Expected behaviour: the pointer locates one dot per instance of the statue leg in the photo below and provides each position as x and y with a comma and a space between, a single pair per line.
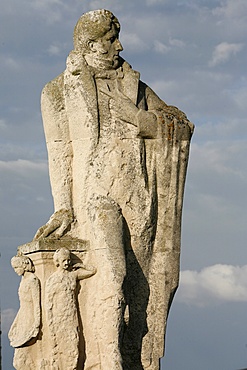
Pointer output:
103, 322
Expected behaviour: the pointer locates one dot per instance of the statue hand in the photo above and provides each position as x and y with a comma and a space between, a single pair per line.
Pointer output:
92, 269
57, 225
35, 331
121, 106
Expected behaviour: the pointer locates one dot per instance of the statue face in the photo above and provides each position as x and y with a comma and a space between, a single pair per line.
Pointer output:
19, 270
64, 262
107, 48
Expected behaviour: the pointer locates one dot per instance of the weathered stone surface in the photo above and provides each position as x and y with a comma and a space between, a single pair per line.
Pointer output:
61, 309
117, 159
52, 244
26, 326
39, 354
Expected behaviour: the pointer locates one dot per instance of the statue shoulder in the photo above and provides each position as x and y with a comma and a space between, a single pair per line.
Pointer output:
54, 87
127, 68
52, 96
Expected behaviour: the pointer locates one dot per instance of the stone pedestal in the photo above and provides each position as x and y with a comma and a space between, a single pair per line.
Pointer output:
41, 253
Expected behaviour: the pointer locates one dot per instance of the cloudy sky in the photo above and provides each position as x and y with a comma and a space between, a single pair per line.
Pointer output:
193, 54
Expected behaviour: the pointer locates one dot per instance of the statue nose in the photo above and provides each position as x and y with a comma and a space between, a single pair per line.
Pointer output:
119, 46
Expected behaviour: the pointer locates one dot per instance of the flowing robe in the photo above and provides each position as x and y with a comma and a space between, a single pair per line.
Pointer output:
62, 316
26, 326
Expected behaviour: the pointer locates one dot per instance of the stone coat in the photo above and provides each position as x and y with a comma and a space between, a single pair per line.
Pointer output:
124, 183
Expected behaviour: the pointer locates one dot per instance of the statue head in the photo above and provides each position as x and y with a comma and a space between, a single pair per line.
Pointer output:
96, 36
22, 264
61, 258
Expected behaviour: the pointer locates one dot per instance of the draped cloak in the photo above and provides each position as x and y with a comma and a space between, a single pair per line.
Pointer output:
125, 184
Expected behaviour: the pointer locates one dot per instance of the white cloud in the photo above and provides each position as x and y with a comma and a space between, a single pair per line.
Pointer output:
232, 9
161, 48
54, 49
9, 63
108, 4
52, 10
41, 199
46, 5
219, 157
57, 49
176, 42
213, 285
223, 52
154, 2
132, 42
7, 317
3, 124
22, 166
231, 129
191, 90
240, 97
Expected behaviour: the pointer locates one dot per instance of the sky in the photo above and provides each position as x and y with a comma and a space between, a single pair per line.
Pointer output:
193, 54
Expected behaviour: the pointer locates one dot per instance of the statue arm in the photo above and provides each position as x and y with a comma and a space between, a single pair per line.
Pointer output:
149, 114
167, 113
59, 156
83, 272
154, 117
123, 108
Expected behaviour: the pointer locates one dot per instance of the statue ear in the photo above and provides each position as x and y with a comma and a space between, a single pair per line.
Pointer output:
96, 46
91, 46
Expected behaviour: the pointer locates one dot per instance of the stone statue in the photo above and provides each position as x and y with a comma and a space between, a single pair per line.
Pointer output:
118, 156
62, 311
26, 326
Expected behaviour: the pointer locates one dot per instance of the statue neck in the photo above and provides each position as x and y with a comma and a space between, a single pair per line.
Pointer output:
99, 63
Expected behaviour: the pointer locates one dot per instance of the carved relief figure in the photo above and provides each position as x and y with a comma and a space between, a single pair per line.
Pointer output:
117, 159
62, 309
26, 326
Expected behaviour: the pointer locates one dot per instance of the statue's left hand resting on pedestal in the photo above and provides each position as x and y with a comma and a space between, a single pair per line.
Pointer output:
57, 225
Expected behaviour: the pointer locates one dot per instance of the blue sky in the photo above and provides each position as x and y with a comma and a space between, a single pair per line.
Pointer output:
193, 54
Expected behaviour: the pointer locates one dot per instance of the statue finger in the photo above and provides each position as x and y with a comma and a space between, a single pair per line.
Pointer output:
61, 229
39, 233
49, 229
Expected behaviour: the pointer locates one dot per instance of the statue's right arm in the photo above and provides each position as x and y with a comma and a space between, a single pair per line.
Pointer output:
60, 154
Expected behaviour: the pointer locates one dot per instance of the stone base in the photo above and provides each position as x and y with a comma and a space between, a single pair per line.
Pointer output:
41, 252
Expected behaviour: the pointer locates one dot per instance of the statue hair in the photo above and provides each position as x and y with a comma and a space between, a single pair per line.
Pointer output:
23, 261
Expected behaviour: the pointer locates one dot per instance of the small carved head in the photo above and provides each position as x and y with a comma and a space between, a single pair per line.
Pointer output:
61, 258
22, 264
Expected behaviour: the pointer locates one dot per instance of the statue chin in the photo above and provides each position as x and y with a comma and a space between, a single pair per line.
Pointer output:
116, 62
